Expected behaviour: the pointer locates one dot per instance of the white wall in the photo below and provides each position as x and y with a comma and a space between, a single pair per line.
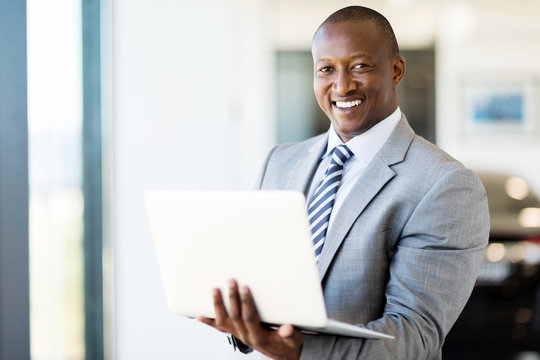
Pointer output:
494, 40
192, 109
295, 21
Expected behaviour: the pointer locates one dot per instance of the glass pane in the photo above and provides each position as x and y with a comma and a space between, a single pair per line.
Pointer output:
55, 162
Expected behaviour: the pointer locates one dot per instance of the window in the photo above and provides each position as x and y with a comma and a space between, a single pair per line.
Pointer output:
65, 180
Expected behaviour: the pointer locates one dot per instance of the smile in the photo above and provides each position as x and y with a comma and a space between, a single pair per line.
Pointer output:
348, 104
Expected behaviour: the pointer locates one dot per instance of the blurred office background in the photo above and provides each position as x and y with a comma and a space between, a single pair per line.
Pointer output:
102, 100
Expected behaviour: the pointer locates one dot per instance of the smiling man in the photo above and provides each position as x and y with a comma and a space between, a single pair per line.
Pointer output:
357, 69
399, 227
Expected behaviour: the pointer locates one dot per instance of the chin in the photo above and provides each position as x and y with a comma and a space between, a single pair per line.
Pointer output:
348, 130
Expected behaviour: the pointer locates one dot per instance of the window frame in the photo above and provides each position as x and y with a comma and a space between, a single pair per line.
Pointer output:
92, 180
14, 192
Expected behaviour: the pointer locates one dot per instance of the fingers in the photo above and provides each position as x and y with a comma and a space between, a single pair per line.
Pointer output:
258, 335
236, 310
219, 307
242, 320
205, 320
249, 310
234, 301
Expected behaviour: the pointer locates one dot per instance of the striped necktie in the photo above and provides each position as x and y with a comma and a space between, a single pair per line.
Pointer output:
322, 201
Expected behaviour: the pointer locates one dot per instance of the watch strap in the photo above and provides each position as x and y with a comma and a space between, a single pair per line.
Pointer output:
238, 345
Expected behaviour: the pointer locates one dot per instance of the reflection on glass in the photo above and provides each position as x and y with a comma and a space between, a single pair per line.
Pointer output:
56, 201
516, 188
529, 217
495, 252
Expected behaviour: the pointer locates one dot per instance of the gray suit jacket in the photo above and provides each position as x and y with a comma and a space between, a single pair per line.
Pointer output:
405, 248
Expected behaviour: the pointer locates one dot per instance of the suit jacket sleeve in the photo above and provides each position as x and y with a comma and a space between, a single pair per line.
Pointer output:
431, 275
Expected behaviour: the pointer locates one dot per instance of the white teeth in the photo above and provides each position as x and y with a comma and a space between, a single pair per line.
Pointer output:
348, 104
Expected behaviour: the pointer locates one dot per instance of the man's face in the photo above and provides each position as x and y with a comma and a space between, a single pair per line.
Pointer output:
355, 76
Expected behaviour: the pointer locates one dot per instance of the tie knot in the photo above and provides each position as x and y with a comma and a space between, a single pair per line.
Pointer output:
341, 154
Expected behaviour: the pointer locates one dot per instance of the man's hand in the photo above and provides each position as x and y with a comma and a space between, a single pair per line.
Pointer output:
244, 322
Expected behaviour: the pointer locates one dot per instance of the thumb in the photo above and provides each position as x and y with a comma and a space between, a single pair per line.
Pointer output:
291, 337
286, 331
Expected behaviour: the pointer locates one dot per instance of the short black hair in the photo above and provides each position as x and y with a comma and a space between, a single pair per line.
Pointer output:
361, 13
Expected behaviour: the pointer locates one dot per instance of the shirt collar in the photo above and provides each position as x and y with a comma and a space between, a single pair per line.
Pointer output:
367, 144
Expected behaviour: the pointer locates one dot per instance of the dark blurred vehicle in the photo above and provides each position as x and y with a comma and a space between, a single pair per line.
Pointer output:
502, 318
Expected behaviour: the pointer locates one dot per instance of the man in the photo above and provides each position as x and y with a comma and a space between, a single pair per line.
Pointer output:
401, 247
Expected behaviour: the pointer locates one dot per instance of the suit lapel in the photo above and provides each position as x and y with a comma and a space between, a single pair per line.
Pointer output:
375, 176
306, 165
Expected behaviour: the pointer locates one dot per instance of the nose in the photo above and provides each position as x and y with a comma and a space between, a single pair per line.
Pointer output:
344, 83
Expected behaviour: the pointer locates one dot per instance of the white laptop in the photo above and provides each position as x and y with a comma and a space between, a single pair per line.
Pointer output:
260, 238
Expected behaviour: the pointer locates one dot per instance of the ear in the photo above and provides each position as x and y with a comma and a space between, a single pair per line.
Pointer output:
399, 69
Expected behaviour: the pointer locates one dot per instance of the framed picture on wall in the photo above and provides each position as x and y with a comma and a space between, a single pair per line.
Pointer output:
495, 106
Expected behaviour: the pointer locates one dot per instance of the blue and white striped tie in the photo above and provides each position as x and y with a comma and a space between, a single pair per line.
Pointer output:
322, 201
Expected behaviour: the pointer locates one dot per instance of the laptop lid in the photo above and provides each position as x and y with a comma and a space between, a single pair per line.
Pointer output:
259, 238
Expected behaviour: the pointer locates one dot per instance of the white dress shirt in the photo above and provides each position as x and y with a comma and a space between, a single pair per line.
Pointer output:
364, 147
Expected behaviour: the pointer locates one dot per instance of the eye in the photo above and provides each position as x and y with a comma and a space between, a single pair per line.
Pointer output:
359, 66
325, 69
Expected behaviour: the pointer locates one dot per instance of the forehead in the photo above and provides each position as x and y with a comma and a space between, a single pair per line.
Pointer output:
347, 39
